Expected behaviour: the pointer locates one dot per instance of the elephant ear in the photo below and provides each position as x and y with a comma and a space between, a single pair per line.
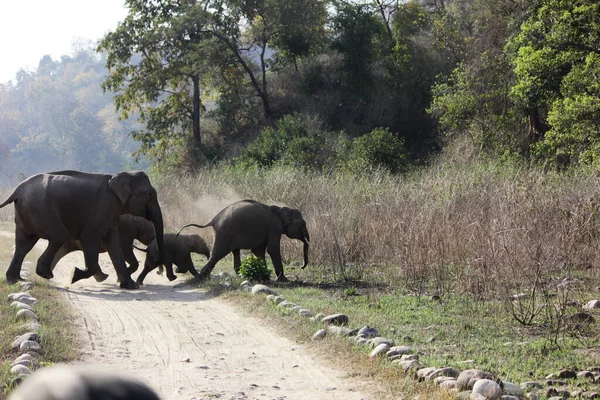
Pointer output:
190, 242
284, 214
120, 184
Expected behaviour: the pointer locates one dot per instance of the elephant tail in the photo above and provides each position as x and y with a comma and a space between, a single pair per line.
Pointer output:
11, 199
196, 225
140, 249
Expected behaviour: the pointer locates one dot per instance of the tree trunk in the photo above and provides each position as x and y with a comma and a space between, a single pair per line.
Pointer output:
196, 112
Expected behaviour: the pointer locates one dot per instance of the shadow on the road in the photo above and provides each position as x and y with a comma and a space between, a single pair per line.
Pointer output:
181, 292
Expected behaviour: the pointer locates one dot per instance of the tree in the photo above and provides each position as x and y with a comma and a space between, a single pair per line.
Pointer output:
555, 57
249, 28
157, 58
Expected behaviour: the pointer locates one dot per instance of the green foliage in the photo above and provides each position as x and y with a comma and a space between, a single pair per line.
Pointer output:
355, 30
378, 149
255, 269
297, 140
555, 59
575, 118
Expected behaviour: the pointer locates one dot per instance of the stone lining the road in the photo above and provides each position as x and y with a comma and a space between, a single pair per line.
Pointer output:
472, 384
28, 344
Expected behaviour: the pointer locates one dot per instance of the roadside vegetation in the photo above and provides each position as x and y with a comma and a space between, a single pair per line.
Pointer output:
511, 251
57, 336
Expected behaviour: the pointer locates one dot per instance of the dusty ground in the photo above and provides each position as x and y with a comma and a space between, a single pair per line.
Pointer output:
189, 345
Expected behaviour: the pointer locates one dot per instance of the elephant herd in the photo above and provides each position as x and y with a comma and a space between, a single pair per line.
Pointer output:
97, 213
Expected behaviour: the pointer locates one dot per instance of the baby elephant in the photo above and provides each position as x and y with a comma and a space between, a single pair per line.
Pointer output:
83, 382
178, 251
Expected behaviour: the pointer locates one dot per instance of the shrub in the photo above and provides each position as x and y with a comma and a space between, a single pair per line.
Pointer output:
379, 148
297, 140
255, 269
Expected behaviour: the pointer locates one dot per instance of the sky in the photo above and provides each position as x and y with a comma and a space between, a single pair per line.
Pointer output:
33, 28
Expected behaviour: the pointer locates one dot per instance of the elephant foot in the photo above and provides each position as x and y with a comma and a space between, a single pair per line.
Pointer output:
129, 284
100, 276
282, 278
171, 278
44, 273
78, 274
12, 279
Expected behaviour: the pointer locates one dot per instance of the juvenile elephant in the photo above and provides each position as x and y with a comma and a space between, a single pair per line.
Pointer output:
248, 224
66, 206
178, 251
130, 228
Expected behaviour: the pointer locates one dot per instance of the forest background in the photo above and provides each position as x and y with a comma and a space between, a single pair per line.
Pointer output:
323, 85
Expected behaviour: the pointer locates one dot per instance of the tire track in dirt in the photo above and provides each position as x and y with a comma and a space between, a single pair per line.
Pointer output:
189, 345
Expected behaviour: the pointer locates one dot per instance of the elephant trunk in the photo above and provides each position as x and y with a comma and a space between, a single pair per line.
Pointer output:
305, 248
156, 217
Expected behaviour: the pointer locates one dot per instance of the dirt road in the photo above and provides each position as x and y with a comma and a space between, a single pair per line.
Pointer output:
189, 345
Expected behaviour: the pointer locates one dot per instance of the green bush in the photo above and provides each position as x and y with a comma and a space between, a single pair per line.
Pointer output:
298, 140
379, 148
255, 269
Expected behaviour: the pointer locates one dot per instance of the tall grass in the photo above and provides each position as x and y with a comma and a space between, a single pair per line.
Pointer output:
468, 227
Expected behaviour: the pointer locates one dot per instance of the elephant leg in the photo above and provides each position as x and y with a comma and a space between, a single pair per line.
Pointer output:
66, 248
149, 265
219, 251
131, 259
115, 252
169, 267
188, 265
237, 260
275, 253
259, 251
91, 250
46, 260
23, 245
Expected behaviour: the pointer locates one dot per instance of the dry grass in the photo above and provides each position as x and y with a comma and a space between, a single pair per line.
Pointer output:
456, 227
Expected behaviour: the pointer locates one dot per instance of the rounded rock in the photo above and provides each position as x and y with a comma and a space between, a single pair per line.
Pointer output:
335, 319
510, 389
28, 300
487, 388
31, 326
27, 314
17, 296
367, 332
32, 336
448, 384
304, 313
592, 304
399, 350
447, 371
468, 377
320, 334
262, 289
29, 345
25, 363
20, 370
381, 349
20, 306
286, 304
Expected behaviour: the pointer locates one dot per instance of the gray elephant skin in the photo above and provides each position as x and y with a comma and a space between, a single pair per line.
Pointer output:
81, 382
248, 224
130, 228
65, 206
178, 249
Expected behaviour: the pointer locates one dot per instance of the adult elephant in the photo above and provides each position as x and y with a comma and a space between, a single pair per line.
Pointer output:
130, 228
248, 224
71, 205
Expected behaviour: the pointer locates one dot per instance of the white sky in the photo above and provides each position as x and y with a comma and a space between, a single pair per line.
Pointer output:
30, 29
